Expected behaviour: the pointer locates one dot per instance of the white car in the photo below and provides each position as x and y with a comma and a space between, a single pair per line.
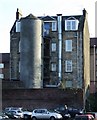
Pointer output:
27, 115
14, 114
45, 114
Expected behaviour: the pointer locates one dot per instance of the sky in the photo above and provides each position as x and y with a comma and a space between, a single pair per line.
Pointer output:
39, 8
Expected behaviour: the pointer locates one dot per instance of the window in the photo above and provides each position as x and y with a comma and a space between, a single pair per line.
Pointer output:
68, 65
18, 26
19, 66
68, 45
1, 75
68, 84
53, 47
46, 28
53, 67
19, 46
96, 62
54, 26
71, 24
96, 50
1, 65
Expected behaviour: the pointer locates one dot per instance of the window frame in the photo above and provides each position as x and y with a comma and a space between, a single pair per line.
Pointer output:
53, 47
68, 45
1, 65
69, 83
53, 67
54, 26
1, 76
68, 66
71, 26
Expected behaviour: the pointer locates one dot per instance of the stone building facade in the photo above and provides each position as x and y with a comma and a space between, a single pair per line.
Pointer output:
4, 66
65, 52
67, 59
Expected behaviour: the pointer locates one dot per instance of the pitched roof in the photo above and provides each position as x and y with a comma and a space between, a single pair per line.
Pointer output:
47, 18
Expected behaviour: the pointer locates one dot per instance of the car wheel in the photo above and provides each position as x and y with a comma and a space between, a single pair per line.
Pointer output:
52, 118
34, 118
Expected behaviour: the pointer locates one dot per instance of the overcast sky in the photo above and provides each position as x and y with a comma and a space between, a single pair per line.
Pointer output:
41, 7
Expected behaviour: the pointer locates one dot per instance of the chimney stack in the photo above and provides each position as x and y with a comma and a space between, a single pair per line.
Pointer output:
18, 14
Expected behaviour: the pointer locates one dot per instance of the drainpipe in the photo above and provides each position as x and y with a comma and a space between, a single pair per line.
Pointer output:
59, 20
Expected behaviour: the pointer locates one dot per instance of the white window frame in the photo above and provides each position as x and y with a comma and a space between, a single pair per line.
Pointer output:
68, 66
53, 47
20, 46
18, 26
1, 75
70, 26
68, 83
54, 26
53, 67
1, 65
68, 45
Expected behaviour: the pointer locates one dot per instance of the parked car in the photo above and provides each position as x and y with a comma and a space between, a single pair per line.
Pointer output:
84, 117
63, 111
27, 115
3, 116
93, 113
74, 111
14, 114
68, 112
45, 114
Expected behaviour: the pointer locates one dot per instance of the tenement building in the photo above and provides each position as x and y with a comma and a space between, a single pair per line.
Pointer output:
93, 65
50, 51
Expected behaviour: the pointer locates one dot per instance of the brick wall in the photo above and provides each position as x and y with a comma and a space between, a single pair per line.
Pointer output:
41, 98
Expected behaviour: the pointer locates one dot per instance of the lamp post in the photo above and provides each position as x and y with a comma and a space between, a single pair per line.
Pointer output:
94, 68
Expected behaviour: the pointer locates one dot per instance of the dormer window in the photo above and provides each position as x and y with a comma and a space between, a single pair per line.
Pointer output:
71, 24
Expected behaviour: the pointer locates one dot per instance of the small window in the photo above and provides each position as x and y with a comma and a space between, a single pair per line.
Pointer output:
19, 46
71, 24
54, 26
53, 47
18, 26
68, 65
53, 66
2, 76
68, 45
1, 65
68, 84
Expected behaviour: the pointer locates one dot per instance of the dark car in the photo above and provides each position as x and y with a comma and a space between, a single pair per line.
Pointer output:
63, 111
73, 112
67, 112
